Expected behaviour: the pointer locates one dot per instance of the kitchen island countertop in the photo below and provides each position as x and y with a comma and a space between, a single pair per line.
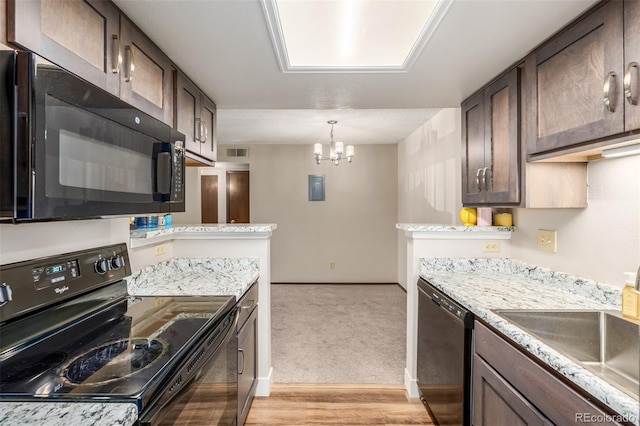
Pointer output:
195, 277
482, 285
143, 237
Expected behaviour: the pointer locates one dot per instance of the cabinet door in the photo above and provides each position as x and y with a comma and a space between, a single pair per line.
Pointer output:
632, 62
147, 74
246, 367
502, 144
496, 402
566, 78
81, 36
187, 113
473, 149
208, 116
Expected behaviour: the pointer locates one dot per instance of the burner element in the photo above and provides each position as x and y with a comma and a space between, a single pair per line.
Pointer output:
30, 367
113, 361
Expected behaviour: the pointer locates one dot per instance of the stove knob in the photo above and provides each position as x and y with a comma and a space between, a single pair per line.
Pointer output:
101, 266
117, 262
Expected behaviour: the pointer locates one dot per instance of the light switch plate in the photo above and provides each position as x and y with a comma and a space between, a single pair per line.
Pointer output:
547, 240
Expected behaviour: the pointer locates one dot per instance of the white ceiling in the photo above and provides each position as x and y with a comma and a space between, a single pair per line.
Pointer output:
224, 46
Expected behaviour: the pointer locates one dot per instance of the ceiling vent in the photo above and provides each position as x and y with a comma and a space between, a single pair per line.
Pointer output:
237, 152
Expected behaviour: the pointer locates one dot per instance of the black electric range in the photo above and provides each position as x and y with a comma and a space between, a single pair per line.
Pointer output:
70, 332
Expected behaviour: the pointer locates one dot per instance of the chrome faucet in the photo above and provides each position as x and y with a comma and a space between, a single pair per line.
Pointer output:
638, 279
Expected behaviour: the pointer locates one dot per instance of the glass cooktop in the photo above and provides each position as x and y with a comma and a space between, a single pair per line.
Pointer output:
122, 358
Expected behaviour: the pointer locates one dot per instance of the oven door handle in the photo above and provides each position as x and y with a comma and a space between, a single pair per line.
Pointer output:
166, 396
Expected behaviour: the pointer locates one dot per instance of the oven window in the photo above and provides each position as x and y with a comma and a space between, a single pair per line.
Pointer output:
91, 158
89, 163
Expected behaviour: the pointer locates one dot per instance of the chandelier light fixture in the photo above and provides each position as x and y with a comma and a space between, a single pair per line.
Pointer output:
336, 150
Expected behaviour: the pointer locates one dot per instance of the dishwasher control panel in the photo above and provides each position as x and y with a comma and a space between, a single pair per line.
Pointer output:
446, 303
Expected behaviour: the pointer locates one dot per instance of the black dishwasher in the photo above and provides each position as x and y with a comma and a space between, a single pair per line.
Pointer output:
445, 338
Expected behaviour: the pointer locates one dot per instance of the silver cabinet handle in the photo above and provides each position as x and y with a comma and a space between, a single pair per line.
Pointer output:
129, 64
116, 56
628, 92
249, 306
240, 351
203, 129
609, 92
233, 221
206, 131
198, 130
478, 180
6, 295
484, 178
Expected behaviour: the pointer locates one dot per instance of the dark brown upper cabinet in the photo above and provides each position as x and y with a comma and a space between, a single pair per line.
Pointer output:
195, 116
575, 82
76, 35
631, 79
491, 143
146, 78
94, 40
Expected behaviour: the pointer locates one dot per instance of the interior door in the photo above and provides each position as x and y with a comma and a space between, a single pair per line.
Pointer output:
209, 198
238, 196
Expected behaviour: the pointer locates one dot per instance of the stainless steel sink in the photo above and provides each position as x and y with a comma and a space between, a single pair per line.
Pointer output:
603, 342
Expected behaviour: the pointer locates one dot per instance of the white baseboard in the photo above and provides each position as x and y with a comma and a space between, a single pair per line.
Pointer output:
263, 387
411, 385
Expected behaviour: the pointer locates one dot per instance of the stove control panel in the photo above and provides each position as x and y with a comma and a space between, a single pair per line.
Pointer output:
55, 274
34, 284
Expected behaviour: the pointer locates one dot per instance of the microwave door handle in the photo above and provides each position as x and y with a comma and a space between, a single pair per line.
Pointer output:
163, 174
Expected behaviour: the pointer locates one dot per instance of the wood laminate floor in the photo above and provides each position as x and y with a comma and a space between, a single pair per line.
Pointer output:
327, 404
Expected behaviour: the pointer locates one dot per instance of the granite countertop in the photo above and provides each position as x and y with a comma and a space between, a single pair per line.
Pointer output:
485, 284
195, 277
67, 413
203, 229
417, 227
181, 276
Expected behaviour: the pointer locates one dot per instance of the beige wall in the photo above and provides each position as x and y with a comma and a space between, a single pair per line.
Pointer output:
599, 242
354, 227
429, 171
32, 240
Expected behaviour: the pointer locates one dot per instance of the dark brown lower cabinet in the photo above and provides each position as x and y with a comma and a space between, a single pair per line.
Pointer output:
509, 388
247, 346
496, 402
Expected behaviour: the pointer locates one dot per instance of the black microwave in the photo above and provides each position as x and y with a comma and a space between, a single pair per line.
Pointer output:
70, 150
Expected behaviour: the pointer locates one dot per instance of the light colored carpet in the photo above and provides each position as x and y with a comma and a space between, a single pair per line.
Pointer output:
338, 333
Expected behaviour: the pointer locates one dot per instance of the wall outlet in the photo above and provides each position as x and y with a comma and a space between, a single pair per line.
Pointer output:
547, 240
158, 250
491, 246
332, 264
